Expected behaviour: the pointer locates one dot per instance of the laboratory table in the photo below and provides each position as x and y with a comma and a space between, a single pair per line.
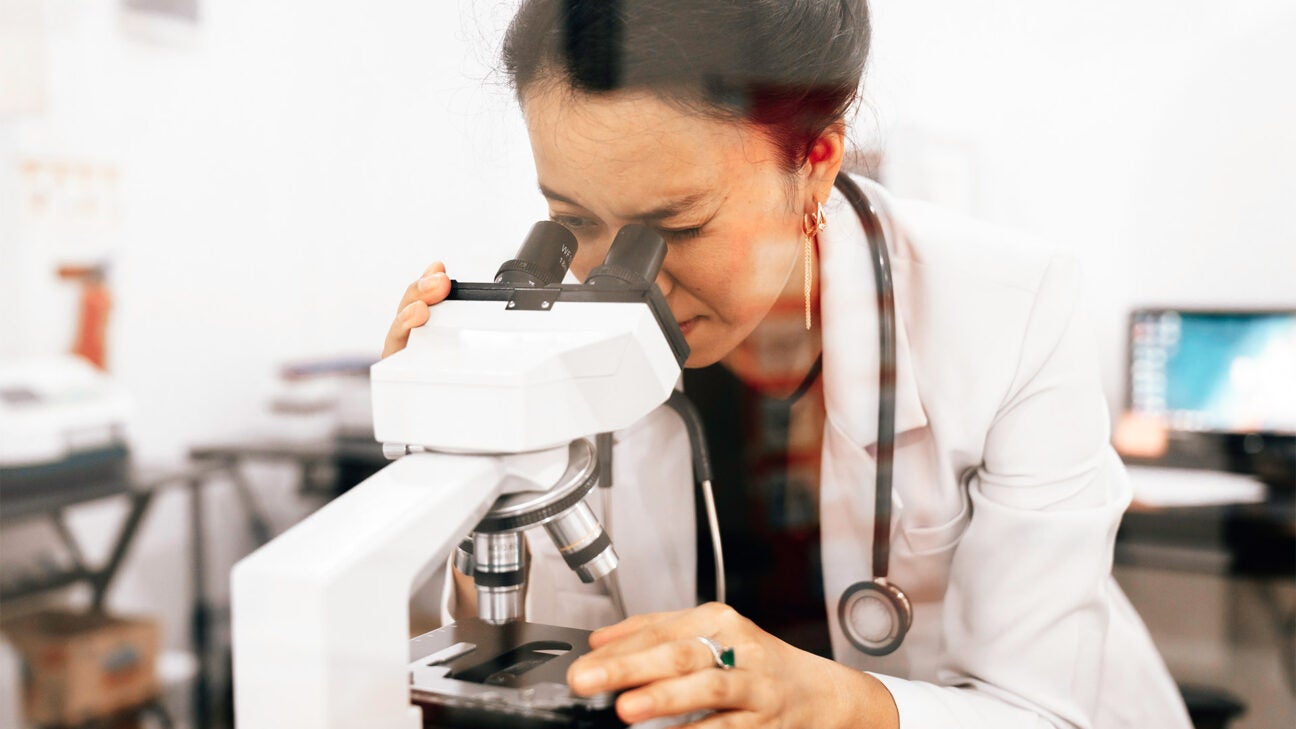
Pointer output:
327, 468
1254, 542
138, 485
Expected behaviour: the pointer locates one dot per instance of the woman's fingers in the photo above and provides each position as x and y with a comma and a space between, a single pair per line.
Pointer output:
431, 282
590, 676
712, 620
709, 689
629, 626
432, 287
727, 720
415, 314
666, 671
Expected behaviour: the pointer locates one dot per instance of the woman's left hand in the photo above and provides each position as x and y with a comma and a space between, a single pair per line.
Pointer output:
772, 684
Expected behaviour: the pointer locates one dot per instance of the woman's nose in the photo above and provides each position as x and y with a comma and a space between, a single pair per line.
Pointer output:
665, 282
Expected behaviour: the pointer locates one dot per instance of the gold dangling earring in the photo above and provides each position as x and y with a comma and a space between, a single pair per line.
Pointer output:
811, 225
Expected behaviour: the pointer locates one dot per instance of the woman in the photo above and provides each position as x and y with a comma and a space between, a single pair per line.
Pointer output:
721, 124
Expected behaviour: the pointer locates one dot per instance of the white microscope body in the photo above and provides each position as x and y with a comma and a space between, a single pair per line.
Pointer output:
485, 400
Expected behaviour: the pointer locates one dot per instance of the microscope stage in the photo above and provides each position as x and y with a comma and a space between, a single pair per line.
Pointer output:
474, 674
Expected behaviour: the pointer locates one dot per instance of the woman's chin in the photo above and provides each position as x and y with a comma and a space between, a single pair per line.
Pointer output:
704, 350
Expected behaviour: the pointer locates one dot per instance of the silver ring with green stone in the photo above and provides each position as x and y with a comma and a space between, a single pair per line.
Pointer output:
724, 657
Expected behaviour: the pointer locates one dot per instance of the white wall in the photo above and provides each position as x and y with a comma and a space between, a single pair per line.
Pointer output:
284, 177
285, 173
1155, 138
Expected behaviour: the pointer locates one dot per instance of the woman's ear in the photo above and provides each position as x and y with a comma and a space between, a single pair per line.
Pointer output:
822, 165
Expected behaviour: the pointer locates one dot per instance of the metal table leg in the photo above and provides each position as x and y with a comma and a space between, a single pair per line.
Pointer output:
199, 632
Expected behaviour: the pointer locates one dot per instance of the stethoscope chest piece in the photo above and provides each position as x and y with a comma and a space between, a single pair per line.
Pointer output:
874, 615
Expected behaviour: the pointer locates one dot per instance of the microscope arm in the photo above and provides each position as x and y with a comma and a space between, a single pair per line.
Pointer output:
321, 614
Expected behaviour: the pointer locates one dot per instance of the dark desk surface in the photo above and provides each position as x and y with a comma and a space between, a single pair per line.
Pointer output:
1243, 540
341, 448
328, 467
136, 484
139, 480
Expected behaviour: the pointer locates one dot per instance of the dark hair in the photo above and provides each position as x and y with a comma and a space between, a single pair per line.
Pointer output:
792, 67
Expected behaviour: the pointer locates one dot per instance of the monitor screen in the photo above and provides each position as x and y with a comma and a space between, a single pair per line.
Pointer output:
1215, 371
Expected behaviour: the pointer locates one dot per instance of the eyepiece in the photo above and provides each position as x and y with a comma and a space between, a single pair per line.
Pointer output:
543, 259
633, 261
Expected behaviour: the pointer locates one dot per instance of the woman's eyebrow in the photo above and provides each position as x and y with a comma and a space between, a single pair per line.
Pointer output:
671, 208
662, 212
665, 211
558, 196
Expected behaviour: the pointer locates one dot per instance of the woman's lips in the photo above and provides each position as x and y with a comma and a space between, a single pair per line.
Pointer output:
687, 325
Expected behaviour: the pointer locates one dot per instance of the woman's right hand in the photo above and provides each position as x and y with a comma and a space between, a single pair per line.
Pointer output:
431, 288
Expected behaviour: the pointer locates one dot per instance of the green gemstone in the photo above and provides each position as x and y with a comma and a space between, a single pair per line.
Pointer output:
727, 657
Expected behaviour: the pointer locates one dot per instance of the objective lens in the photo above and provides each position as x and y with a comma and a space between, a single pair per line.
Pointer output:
583, 543
633, 261
463, 556
499, 573
543, 259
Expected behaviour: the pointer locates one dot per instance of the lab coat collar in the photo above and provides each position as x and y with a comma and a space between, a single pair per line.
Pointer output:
849, 307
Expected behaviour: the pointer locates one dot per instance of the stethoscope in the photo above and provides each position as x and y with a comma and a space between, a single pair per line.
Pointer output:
874, 614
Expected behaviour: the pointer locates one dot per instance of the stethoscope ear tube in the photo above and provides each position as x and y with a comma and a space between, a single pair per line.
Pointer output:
684, 407
688, 412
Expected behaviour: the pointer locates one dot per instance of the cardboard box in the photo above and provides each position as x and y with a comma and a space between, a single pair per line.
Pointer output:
79, 666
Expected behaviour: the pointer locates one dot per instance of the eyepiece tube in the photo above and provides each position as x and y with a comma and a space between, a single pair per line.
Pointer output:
633, 261
543, 259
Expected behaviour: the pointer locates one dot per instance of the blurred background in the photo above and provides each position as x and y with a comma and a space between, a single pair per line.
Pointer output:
209, 210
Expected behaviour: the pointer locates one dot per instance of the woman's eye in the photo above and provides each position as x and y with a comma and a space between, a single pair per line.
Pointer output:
571, 222
682, 233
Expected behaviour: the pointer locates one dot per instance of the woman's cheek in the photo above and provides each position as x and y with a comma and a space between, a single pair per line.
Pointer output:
770, 264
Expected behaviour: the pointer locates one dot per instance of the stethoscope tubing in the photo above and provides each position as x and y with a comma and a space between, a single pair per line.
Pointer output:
886, 371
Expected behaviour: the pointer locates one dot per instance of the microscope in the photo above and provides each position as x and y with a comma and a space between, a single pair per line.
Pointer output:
493, 415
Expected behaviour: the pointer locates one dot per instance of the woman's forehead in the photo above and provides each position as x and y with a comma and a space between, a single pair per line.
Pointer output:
635, 145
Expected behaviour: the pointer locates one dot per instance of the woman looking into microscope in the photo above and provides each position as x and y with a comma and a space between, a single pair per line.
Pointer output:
723, 126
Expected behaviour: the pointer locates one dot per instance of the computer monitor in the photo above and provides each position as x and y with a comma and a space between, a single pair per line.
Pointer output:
1215, 371
1221, 380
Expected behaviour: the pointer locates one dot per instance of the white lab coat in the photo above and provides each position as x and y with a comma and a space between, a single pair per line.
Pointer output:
1007, 494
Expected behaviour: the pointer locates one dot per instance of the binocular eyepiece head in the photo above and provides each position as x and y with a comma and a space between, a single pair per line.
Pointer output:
632, 262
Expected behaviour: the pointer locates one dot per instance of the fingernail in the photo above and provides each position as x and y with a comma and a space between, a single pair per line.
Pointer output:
589, 679
407, 314
634, 706
428, 282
